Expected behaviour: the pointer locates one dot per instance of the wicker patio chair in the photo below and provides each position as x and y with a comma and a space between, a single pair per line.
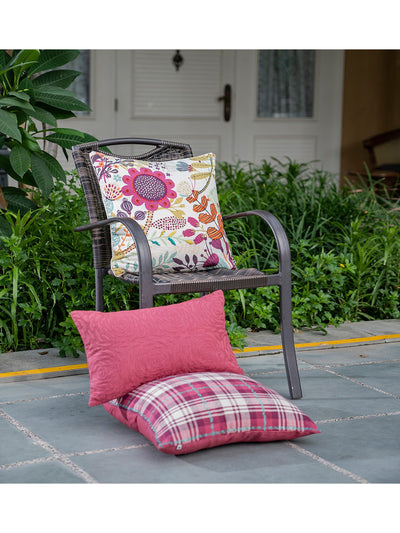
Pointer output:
151, 284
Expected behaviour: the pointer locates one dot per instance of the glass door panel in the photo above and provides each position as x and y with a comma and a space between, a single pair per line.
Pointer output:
286, 83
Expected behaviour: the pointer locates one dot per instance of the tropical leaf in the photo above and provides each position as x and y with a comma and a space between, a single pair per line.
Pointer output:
67, 138
18, 200
58, 114
53, 165
20, 159
44, 116
42, 174
60, 78
4, 58
27, 178
6, 165
25, 85
20, 62
50, 59
9, 125
60, 98
18, 103
24, 57
21, 95
29, 142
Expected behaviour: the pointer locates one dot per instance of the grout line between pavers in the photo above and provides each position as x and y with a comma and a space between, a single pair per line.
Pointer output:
106, 450
357, 417
41, 460
62, 458
55, 396
323, 461
28, 462
353, 380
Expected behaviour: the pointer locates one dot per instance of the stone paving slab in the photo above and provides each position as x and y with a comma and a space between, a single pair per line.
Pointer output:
54, 437
368, 447
351, 390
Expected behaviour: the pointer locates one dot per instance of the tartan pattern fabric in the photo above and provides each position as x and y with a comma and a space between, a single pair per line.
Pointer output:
188, 412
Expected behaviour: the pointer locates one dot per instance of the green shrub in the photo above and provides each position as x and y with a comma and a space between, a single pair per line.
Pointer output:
345, 245
345, 249
46, 272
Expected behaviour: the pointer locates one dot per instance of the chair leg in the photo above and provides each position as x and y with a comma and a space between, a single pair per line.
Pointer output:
289, 352
98, 272
145, 296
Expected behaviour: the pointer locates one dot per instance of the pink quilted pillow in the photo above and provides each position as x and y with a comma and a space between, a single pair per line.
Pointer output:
189, 412
125, 349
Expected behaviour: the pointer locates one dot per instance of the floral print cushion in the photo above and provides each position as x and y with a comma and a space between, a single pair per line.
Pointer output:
176, 204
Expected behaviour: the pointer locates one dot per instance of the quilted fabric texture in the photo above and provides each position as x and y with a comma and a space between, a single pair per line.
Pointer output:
189, 412
127, 348
176, 204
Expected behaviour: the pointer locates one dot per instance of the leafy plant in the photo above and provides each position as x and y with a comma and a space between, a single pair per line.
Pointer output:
345, 247
46, 272
33, 96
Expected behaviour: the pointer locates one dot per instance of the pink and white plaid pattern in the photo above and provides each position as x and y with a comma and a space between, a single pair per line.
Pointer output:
189, 412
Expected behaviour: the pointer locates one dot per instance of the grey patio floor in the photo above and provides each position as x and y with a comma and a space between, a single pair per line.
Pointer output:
351, 389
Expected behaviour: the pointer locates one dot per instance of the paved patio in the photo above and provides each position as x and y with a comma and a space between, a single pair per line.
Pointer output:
351, 387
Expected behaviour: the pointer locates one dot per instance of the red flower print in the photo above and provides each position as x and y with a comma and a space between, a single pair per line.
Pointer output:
150, 188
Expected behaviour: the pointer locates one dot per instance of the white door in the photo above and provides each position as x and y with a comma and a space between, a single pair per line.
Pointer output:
158, 100
140, 93
302, 122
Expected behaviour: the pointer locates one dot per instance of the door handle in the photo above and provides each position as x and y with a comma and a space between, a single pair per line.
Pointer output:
226, 98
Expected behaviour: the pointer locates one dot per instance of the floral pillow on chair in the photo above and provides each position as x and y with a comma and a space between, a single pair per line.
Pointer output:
175, 202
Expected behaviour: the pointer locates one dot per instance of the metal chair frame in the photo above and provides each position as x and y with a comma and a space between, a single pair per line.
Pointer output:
151, 284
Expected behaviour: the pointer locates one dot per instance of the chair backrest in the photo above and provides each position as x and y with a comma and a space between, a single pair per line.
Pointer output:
384, 149
161, 151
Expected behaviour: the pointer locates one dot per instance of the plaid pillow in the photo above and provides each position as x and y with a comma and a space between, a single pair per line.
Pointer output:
189, 412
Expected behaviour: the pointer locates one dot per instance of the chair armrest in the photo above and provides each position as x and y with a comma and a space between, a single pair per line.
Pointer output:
140, 239
278, 232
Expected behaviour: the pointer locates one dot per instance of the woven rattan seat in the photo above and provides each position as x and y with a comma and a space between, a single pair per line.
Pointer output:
205, 281
151, 284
